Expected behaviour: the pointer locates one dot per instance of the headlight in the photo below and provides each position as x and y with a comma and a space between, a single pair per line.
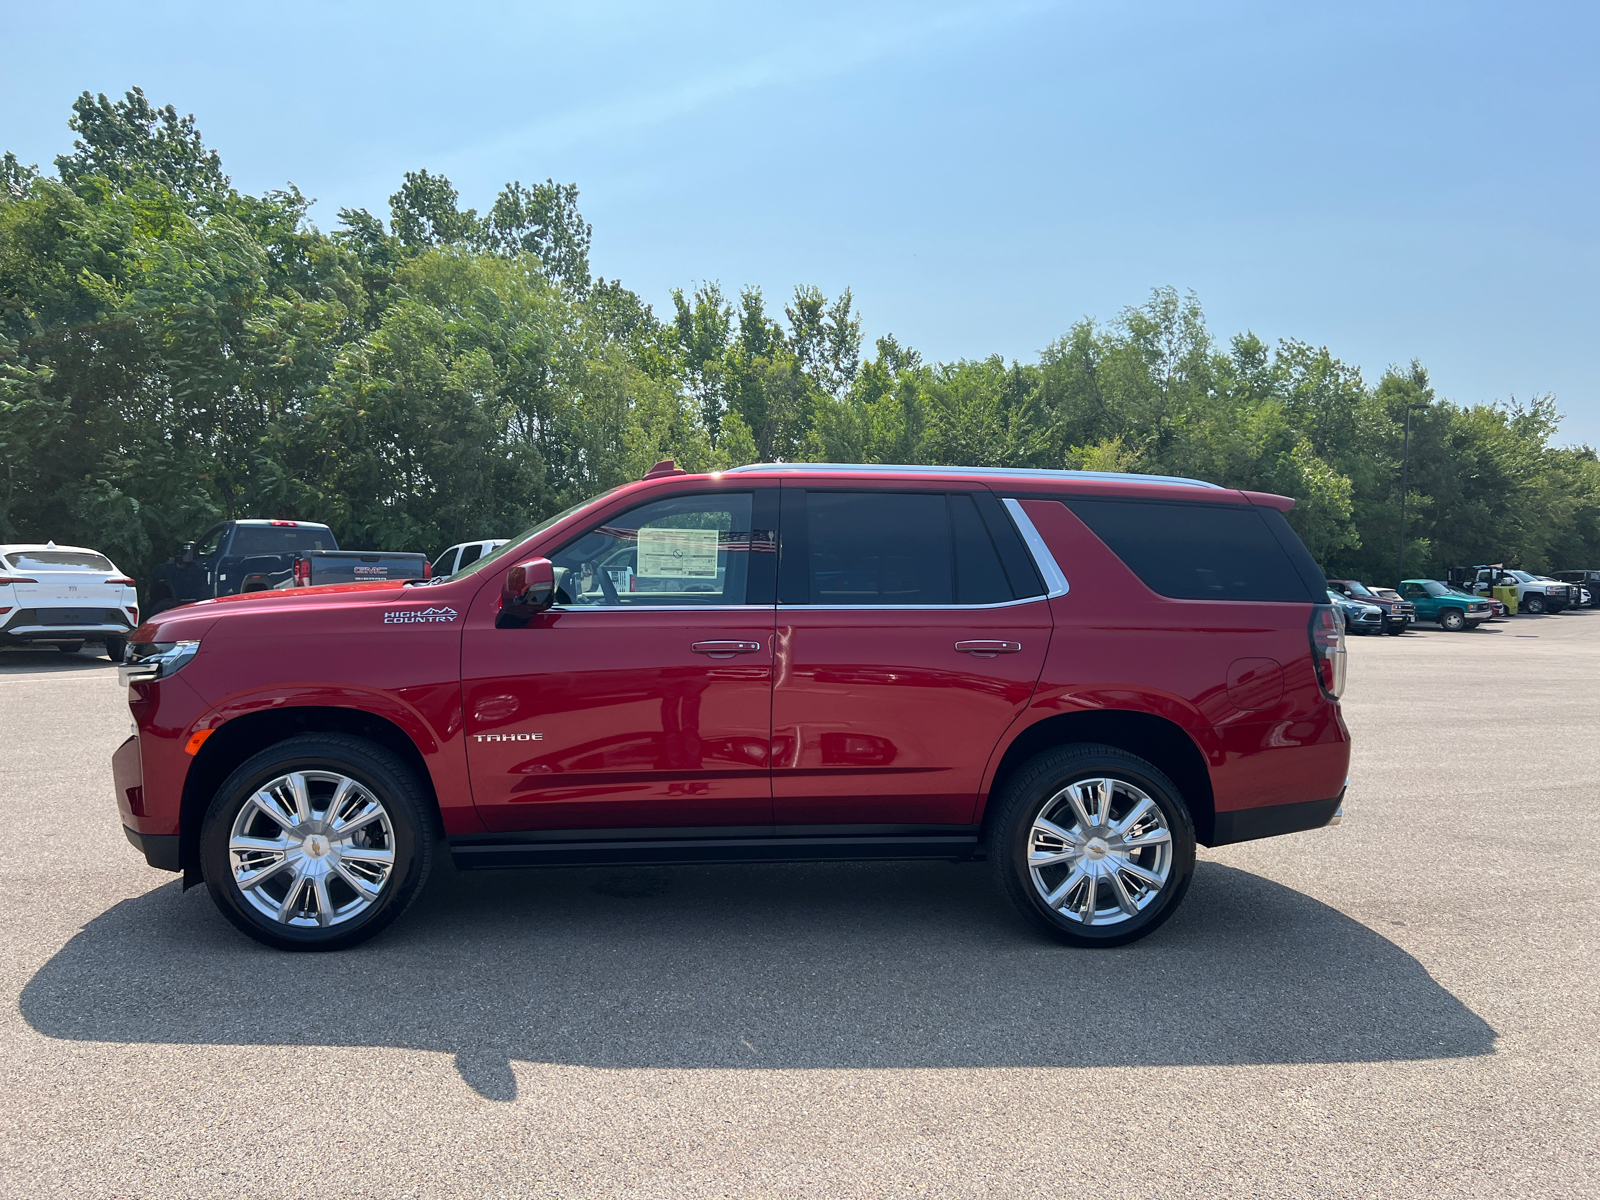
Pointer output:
154, 660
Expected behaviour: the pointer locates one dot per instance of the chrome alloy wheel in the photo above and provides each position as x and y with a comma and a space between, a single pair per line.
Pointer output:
1100, 851
312, 848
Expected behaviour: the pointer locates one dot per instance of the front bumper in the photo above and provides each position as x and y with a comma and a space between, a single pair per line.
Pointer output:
160, 850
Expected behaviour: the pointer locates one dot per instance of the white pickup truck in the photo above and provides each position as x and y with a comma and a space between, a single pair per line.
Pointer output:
64, 596
1534, 595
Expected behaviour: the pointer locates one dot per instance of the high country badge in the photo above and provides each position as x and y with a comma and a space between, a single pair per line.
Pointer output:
424, 616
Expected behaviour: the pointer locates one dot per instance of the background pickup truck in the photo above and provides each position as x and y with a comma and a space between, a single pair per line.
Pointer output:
258, 555
313, 568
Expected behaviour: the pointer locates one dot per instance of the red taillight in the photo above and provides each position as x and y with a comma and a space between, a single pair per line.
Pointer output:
302, 572
1327, 648
124, 581
5, 579
427, 570
133, 612
290, 524
5, 610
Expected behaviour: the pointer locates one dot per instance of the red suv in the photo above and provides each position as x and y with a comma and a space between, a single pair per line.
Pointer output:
1074, 675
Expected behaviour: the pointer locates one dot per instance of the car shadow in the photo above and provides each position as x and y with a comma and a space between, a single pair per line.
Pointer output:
861, 966
47, 660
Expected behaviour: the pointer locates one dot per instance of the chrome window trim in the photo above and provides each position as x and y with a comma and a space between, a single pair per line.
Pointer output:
562, 608
935, 473
1055, 579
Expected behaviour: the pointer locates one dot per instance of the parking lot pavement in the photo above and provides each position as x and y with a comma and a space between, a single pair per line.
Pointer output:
1404, 1005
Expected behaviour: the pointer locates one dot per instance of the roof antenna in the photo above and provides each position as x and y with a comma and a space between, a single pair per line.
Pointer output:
665, 467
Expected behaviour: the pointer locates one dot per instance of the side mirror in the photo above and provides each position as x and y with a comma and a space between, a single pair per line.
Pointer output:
529, 588
186, 552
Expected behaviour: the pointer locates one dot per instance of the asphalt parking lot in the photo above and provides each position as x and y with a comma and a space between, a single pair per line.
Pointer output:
1405, 1005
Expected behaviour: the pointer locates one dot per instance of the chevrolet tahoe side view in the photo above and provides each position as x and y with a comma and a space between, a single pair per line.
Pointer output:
1076, 676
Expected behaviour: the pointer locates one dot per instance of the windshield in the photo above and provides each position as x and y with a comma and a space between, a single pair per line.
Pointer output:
1358, 589
1520, 576
1434, 588
507, 547
59, 560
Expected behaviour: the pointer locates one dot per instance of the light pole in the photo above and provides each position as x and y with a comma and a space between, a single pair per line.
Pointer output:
1405, 467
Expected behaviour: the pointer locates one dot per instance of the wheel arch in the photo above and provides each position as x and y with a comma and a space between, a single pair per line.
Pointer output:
233, 742
1156, 739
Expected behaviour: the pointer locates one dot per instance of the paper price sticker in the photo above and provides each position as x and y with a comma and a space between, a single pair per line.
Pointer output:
678, 553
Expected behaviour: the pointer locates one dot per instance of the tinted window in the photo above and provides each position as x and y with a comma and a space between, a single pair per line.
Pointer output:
208, 544
445, 563
980, 579
683, 550
1415, 591
879, 548
1198, 552
278, 539
60, 560
470, 554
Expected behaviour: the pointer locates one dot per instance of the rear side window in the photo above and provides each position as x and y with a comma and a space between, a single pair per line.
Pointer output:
1200, 551
279, 539
879, 548
470, 554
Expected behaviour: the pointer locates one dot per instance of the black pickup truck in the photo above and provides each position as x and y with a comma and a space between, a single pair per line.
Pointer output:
255, 556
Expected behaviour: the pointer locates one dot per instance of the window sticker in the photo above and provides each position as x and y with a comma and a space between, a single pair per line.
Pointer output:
678, 553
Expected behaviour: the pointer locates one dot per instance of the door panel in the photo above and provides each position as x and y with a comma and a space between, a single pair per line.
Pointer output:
878, 718
611, 720
644, 698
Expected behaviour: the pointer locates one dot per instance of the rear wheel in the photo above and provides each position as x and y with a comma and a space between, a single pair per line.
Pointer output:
1093, 845
1532, 603
1396, 629
69, 647
316, 843
116, 647
1452, 620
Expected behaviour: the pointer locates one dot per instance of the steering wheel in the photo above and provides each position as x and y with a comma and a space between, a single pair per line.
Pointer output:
606, 586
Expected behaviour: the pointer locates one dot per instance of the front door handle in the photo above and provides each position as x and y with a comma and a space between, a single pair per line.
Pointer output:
724, 649
988, 648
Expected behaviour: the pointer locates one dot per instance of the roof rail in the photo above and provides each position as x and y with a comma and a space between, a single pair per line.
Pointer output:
975, 472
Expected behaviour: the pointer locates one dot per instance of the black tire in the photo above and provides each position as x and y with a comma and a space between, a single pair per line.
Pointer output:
1532, 604
160, 606
1452, 620
1038, 787
69, 647
116, 648
376, 770
1396, 630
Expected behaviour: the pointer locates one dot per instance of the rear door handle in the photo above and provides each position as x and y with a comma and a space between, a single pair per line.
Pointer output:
987, 648
724, 649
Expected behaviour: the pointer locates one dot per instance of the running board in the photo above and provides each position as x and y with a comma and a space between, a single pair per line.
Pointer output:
471, 854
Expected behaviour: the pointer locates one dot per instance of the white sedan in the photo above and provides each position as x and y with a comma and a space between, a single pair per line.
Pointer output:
65, 596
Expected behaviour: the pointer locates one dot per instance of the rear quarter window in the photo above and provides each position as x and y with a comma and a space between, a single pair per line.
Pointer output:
1204, 551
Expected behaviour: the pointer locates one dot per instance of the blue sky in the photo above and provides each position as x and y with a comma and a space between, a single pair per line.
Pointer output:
1390, 180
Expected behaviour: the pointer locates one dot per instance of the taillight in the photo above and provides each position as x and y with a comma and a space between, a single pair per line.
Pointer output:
122, 580
427, 570
1327, 648
5, 579
133, 611
302, 572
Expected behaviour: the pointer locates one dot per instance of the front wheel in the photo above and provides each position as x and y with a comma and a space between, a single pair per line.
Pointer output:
1533, 604
1092, 844
1452, 620
1396, 630
316, 843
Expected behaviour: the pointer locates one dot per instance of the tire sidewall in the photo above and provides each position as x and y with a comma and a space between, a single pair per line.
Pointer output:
372, 767
1039, 781
1452, 621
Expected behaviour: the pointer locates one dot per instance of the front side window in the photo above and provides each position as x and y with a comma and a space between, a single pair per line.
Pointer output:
208, 544
684, 550
471, 553
1415, 590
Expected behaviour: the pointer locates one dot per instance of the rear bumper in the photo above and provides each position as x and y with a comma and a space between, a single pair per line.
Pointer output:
160, 850
1248, 824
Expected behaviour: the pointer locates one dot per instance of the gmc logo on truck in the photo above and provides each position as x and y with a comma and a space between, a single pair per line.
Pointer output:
508, 737
425, 616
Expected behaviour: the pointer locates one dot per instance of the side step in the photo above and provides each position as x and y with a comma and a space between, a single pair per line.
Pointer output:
477, 853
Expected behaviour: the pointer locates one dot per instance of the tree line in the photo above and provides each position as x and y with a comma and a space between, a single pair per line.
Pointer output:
174, 351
